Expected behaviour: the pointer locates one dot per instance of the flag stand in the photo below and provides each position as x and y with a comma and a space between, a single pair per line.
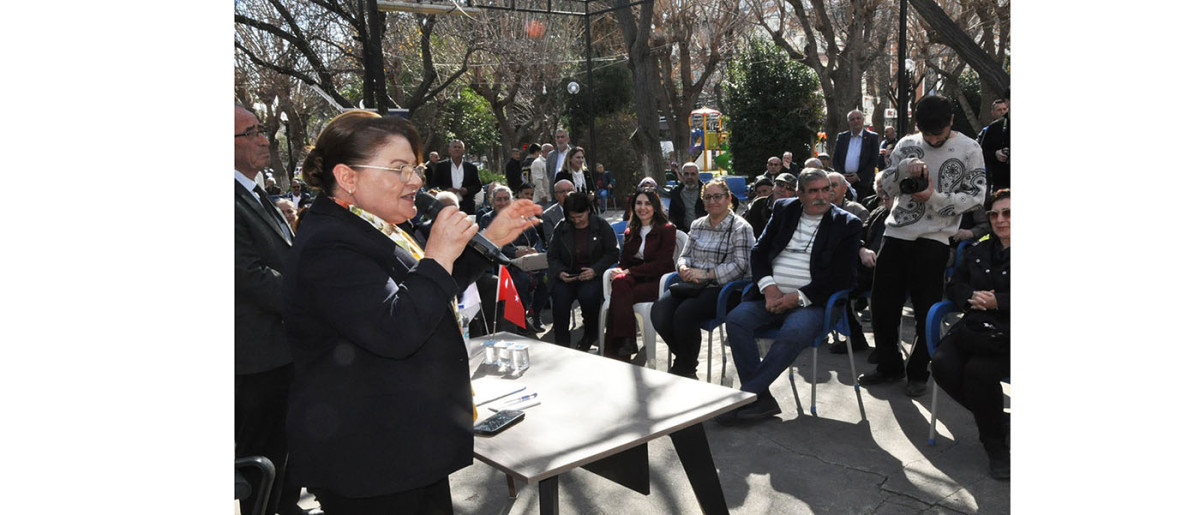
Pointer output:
496, 304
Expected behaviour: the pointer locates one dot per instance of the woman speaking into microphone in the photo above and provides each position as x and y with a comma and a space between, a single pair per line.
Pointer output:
380, 408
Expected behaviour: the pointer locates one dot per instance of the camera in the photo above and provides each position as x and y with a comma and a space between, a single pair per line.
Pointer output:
913, 184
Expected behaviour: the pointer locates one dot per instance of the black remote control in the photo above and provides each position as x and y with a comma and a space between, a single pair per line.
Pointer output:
498, 422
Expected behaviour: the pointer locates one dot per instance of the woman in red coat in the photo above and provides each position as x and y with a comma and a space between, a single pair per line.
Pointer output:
648, 253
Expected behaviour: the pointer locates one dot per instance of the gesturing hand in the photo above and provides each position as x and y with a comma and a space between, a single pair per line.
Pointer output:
512, 221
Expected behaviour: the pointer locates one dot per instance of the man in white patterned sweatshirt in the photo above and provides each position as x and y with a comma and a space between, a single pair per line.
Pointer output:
916, 239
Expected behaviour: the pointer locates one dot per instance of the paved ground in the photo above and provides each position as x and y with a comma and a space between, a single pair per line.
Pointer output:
794, 463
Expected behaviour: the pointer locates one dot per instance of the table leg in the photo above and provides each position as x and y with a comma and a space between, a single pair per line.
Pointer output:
548, 496
691, 444
512, 487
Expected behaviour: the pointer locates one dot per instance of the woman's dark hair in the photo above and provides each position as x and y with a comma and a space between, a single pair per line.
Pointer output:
657, 219
567, 161
1001, 195
353, 137
576, 202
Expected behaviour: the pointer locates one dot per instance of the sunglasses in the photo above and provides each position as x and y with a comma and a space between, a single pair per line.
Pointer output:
1007, 212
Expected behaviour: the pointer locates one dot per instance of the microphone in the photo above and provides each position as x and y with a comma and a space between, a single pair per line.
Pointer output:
429, 206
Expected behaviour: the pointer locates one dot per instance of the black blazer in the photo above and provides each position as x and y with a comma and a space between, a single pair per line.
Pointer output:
260, 247
985, 266
603, 253
867, 159
381, 399
834, 260
440, 178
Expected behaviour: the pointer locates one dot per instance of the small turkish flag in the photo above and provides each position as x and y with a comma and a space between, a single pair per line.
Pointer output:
506, 291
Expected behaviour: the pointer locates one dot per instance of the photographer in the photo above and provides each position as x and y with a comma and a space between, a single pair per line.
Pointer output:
935, 176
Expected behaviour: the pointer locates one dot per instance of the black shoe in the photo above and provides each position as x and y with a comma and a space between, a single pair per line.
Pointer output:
628, 347
690, 374
915, 388
763, 408
878, 378
860, 304
840, 347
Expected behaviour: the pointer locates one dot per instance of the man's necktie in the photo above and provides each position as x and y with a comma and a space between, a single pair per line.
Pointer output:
274, 212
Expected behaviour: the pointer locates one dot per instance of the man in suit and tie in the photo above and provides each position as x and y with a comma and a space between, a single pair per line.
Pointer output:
458, 176
807, 253
262, 359
856, 154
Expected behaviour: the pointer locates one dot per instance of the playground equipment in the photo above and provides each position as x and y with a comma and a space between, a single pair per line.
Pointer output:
708, 138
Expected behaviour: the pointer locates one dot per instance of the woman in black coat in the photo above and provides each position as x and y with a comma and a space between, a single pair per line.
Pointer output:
380, 409
582, 248
972, 359
574, 169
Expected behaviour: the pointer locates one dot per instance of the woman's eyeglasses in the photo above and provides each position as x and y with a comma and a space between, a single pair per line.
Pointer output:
715, 197
1007, 212
405, 171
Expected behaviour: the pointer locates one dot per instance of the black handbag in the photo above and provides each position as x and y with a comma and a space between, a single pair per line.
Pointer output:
979, 337
686, 290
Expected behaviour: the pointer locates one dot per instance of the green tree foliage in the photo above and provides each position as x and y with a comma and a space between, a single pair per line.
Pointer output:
614, 94
616, 151
467, 117
774, 107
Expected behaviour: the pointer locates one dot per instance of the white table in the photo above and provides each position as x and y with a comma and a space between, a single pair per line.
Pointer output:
598, 413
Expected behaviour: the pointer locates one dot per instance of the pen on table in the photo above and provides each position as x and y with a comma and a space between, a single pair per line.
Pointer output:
522, 399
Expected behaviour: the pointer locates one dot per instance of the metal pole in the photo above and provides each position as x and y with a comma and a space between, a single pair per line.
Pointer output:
902, 74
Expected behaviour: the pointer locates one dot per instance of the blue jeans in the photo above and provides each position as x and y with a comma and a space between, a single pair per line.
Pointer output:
800, 327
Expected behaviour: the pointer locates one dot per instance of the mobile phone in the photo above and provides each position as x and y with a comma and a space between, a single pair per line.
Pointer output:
500, 421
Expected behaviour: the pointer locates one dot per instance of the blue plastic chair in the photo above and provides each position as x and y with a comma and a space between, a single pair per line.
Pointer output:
706, 176
958, 255
714, 324
835, 321
737, 184
619, 228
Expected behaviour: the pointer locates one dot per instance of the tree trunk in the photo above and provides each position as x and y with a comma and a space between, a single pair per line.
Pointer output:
645, 78
990, 73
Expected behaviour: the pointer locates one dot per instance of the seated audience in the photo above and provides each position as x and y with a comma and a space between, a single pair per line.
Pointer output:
760, 210
805, 255
648, 253
582, 248
974, 357
717, 253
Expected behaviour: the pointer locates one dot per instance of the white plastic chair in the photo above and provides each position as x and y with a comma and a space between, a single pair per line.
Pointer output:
642, 309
